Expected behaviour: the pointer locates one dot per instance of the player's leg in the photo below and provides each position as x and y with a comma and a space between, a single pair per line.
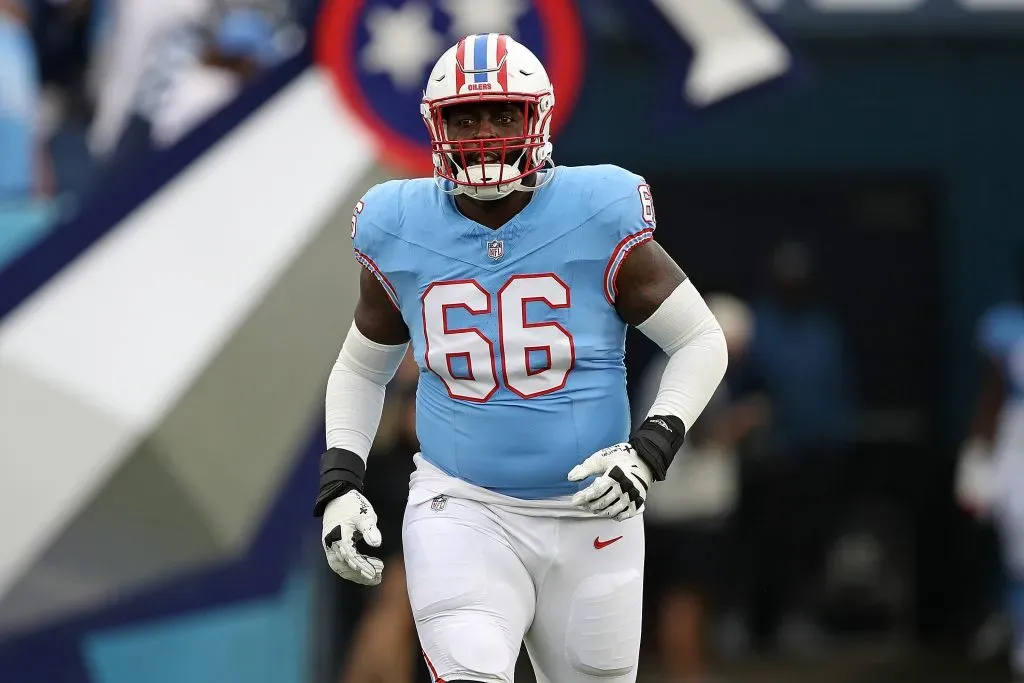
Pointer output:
1007, 507
589, 604
1011, 526
471, 596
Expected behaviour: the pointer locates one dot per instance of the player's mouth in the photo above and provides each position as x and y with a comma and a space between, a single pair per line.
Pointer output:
474, 158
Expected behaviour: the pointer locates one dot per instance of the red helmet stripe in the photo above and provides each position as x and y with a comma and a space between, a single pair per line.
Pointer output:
460, 65
503, 71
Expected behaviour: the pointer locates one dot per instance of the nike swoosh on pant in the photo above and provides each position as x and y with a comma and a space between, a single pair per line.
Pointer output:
598, 543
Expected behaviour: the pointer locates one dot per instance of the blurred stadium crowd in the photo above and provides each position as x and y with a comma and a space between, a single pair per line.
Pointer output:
88, 87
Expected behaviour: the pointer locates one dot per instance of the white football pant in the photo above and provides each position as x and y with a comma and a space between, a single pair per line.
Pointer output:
484, 577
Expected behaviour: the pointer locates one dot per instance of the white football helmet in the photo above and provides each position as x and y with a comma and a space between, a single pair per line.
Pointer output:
487, 68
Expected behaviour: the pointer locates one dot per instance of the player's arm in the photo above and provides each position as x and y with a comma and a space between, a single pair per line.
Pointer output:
975, 476
655, 296
973, 480
647, 278
989, 404
994, 336
376, 316
373, 350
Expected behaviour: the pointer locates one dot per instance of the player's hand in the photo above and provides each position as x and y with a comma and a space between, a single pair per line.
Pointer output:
620, 489
347, 519
974, 482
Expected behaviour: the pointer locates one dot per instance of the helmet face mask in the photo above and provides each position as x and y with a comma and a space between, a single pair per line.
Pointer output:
488, 162
472, 158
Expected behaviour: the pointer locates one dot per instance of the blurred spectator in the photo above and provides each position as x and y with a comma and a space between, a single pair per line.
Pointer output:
798, 352
791, 497
65, 33
689, 516
90, 87
990, 474
26, 179
194, 68
63, 30
20, 168
132, 29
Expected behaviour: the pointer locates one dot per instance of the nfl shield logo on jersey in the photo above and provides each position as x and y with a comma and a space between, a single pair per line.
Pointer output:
495, 250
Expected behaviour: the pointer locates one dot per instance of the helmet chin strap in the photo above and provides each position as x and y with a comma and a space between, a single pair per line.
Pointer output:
489, 193
480, 173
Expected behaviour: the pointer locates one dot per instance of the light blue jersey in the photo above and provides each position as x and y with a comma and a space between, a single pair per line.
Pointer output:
1001, 336
520, 348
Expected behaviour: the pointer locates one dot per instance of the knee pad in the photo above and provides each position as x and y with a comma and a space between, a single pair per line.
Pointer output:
469, 627
479, 649
603, 633
471, 651
462, 637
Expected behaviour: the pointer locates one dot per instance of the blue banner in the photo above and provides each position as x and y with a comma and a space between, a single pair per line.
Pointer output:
879, 17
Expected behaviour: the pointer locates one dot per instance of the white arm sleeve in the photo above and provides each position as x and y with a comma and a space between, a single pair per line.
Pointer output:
684, 327
355, 391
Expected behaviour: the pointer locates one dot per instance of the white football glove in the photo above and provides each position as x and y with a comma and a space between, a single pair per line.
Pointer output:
347, 519
620, 489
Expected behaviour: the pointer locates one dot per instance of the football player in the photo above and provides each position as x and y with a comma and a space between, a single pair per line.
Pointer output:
990, 476
514, 281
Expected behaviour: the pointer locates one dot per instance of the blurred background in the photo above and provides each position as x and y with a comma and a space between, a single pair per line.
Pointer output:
839, 177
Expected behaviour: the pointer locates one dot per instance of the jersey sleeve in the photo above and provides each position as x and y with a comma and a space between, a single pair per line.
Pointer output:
628, 221
370, 218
